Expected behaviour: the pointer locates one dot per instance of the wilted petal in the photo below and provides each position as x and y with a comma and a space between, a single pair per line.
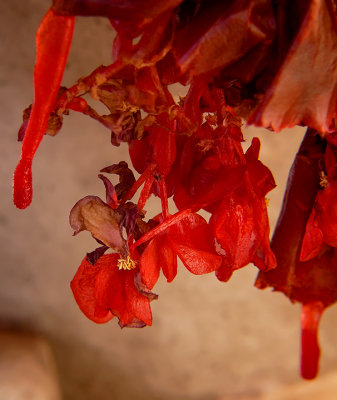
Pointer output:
126, 177
93, 215
96, 254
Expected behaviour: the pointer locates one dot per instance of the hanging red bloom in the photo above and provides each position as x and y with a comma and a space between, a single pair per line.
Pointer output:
240, 221
105, 290
312, 283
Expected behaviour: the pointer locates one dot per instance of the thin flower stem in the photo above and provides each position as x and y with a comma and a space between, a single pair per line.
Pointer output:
172, 220
163, 197
144, 176
99, 76
145, 193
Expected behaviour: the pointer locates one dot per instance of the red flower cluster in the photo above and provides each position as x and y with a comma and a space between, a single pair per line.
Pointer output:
255, 60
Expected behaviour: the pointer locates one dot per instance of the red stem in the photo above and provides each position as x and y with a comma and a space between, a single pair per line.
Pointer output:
145, 193
99, 76
53, 41
144, 176
310, 318
163, 197
172, 220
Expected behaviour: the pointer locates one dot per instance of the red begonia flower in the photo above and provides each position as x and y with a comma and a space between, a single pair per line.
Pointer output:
103, 291
191, 240
211, 166
240, 221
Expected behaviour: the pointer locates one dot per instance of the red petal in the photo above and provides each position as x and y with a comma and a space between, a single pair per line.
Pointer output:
115, 289
83, 287
310, 318
313, 238
327, 214
222, 34
164, 148
157, 255
233, 224
192, 240
292, 98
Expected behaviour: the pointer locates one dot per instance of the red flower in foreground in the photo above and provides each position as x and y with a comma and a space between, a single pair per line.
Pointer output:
103, 291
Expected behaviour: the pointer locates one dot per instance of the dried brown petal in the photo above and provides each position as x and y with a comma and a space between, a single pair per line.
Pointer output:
104, 223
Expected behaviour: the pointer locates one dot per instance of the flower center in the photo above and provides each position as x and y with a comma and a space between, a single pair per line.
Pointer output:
126, 263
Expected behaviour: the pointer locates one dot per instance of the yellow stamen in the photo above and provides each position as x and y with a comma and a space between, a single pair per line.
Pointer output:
126, 263
323, 179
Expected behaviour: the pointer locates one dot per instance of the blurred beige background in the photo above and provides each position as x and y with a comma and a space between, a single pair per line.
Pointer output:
209, 340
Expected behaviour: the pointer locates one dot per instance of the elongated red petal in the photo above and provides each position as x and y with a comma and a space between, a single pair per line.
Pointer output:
310, 351
53, 41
